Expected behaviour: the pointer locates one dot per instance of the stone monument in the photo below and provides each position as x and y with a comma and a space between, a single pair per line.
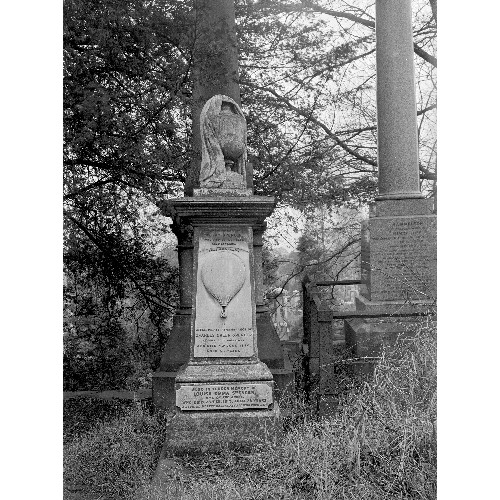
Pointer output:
224, 385
398, 241
218, 190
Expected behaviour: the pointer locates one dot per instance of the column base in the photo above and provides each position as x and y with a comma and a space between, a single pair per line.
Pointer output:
176, 352
164, 390
399, 196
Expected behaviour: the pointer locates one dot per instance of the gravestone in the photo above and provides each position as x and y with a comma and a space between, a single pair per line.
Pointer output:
398, 241
223, 387
215, 102
398, 254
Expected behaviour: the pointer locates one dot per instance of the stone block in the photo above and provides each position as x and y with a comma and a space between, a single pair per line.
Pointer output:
398, 258
164, 387
195, 432
366, 336
405, 207
224, 396
425, 307
176, 351
268, 342
164, 390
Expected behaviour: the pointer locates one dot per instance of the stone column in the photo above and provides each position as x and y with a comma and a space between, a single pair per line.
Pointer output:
258, 231
185, 247
396, 105
398, 243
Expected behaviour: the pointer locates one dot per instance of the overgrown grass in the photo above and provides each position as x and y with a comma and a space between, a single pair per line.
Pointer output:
381, 444
114, 458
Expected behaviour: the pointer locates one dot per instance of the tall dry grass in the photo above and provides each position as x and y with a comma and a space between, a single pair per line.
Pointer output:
381, 444
114, 459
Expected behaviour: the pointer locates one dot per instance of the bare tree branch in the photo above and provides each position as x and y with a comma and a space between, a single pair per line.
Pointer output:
89, 187
427, 174
357, 19
320, 124
374, 127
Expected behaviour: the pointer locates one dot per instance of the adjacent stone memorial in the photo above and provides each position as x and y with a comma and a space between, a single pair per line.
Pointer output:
398, 254
398, 241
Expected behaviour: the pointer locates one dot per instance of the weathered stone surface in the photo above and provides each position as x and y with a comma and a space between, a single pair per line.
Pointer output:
223, 144
224, 209
164, 389
177, 349
195, 432
228, 396
366, 336
405, 207
331, 345
363, 305
222, 191
214, 211
398, 258
224, 324
223, 370
224, 357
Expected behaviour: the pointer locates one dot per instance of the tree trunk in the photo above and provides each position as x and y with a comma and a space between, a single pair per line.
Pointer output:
215, 67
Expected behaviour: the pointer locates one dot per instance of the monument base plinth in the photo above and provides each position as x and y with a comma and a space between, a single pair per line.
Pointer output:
367, 336
199, 432
164, 387
398, 274
210, 371
164, 390
424, 307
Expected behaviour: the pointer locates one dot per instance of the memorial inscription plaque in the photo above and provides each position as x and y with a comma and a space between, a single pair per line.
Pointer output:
402, 258
227, 396
223, 324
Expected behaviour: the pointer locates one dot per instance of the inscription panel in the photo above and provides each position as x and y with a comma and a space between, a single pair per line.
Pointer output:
224, 320
402, 258
228, 396
204, 191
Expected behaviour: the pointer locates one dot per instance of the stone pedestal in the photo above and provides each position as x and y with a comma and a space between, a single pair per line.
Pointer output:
177, 351
197, 432
398, 253
398, 273
223, 374
366, 336
224, 392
